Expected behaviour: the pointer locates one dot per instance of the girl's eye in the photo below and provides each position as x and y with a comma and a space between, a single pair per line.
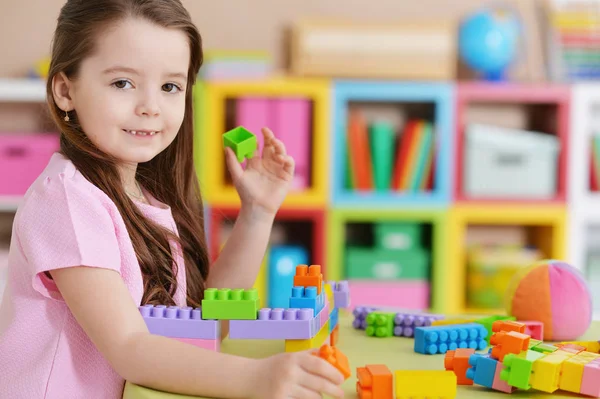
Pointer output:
121, 84
168, 87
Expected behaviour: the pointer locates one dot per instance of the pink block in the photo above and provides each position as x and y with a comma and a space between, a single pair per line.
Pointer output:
292, 125
22, 158
535, 329
590, 382
324, 315
500, 385
404, 294
210, 344
254, 113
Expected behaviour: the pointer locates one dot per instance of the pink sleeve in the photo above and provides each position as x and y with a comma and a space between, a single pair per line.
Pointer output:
64, 223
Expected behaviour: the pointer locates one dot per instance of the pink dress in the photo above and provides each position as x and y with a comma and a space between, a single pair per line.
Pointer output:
64, 221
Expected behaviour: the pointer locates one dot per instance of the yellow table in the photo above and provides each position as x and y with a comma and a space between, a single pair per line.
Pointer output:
396, 353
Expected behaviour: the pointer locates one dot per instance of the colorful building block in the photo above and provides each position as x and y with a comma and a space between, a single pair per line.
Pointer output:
508, 325
488, 321
571, 374
590, 381
572, 348
243, 143
544, 347
518, 368
334, 336
546, 371
230, 304
425, 384
590, 346
439, 339
380, 324
336, 358
307, 297
375, 381
210, 344
360, 314
500, 385
276, 324
535, 329
482, 370
508, 342
309, 276
296, 345
341, 293
177, 322
334, 316
457, 360
405, 323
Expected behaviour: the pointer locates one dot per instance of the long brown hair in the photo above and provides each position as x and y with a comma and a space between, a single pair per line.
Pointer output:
170, 176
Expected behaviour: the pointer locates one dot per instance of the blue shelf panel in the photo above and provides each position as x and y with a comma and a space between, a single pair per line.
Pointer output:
441, 95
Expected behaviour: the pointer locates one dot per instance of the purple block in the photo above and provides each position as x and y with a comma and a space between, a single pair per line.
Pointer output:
177, 322
276, 324
406, 322
341, 293
360, 314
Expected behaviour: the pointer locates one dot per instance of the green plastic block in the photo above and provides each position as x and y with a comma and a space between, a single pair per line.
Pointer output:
533, 343
381, 264
489, 320
230, 304
382, 139
398, 235
242, 142
544, 348
380, 324
517, 368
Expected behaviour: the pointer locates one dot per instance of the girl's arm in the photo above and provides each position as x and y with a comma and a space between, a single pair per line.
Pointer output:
239, 262
103, 306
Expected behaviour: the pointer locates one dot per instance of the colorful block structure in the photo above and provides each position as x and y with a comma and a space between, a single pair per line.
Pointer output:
440, 339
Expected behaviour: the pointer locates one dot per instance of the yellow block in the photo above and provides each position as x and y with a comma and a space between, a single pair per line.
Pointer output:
572, 372
261, 283
297, 345
212, 125
425, 383
590, 346
545, 375
329, 295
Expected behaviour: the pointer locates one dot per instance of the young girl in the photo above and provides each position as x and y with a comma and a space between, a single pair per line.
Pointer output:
115, 221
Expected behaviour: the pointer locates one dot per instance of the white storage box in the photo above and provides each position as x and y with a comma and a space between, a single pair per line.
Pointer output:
509, 163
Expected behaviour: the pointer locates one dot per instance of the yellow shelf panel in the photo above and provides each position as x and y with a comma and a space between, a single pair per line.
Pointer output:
212, 126
548, 229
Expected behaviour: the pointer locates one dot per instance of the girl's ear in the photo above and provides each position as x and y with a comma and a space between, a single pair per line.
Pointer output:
62, 89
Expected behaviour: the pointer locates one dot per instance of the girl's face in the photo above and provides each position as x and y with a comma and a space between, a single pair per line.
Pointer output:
130, 93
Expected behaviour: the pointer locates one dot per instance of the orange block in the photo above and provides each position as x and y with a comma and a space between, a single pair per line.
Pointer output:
309, 277
571, 348
336, 358
375, 381
508, 325
508, 342
335, 335
458, 361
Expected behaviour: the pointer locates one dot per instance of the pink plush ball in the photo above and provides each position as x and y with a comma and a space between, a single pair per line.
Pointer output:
554, 293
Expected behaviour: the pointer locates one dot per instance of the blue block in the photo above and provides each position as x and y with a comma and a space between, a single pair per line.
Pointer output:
306, 297
333, 318
440, 339
482, 370
282, 263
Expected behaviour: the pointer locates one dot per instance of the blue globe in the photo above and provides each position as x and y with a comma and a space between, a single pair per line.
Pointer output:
488, 42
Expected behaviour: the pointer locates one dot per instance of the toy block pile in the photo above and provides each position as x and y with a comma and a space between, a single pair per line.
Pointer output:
376, 381
310, 320
380, 323
516, 361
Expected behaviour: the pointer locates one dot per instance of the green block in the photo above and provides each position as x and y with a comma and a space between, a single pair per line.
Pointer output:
382, 138
544, 348
533, 343
517, 368
242, 142
230, 304
489, 320
380, 324
382, 264
398, 235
